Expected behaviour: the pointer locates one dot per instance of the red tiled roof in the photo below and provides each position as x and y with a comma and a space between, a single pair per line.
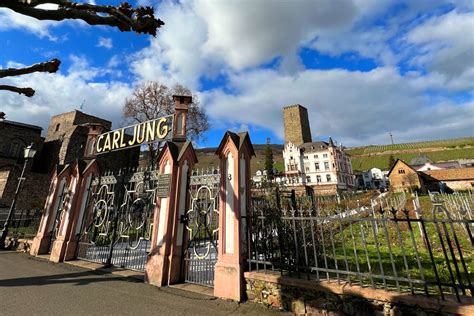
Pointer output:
451, 174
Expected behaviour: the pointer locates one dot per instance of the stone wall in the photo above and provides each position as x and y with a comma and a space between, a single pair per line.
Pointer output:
33, 192
330, 298
461, 185
3, 181
64, 122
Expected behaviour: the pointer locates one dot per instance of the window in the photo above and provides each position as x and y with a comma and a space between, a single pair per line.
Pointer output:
57, 127
325, 155
316, 166
306, 167
328, 178
308, 179
315, 156
326, 165
305, 157
318, 179
401, 171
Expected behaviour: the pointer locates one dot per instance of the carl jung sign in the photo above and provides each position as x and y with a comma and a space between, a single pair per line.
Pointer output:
135, 135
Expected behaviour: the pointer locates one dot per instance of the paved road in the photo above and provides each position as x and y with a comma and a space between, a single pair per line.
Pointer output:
32, 286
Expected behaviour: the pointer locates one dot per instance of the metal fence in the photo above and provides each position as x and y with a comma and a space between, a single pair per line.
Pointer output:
117, 227
415, 251
24, 223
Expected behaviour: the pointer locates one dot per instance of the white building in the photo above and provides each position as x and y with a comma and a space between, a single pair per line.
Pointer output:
320, 165
375, 179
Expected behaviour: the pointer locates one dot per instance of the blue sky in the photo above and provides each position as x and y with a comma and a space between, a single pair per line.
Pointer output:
362, 68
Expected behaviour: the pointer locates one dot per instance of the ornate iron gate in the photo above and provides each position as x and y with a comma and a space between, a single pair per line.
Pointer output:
202, 227
118, 229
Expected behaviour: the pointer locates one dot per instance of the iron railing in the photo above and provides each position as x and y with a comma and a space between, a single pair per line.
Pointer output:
24, 223
116, 228
413, 251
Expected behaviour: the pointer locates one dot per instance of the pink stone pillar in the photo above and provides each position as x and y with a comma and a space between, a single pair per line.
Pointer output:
65, 245
235, 152
186, 161
164, 261
59, 183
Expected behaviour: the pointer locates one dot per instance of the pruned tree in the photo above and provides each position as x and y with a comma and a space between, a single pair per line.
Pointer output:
124, 17
152, 99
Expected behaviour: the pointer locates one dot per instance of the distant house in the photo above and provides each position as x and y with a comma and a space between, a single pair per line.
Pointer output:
374, 179
259, 176
423, 163
455, 179
404, 178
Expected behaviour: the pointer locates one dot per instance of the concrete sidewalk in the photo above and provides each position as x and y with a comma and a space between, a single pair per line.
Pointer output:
30, 285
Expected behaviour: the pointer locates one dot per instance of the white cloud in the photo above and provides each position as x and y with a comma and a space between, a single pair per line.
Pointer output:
227, 38
11, 20
60, 92
176, 54
354, 107
249, 35
445, 45
105, 42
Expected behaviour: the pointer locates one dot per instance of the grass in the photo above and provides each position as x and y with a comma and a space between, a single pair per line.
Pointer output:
364, 158
382, 161
374, 248
447, 143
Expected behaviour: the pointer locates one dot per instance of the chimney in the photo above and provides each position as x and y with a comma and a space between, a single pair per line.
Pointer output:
181, 106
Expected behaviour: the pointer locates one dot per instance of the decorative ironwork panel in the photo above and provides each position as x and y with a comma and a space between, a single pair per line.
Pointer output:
202, 227
118, 228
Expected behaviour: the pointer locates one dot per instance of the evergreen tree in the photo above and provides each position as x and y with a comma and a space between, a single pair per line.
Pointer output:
391, 161
269, 160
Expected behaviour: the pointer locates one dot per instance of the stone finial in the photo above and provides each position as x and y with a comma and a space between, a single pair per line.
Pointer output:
180, 117
182, 101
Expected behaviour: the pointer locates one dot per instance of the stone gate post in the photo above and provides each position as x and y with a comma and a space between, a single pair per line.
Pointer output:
65, 245
163, 266
59, 183
235, 152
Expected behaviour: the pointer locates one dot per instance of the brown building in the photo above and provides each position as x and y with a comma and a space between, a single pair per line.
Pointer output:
404, 178
72, 136
460, 179
14, 137
296, 124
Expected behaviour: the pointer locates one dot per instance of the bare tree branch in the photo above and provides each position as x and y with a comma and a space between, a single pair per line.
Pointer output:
124, 17
152, 99
49, 66
26, 91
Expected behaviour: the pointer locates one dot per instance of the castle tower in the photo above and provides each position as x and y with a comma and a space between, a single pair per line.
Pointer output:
296, 123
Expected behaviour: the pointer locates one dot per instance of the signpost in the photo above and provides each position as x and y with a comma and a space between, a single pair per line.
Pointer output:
155, 130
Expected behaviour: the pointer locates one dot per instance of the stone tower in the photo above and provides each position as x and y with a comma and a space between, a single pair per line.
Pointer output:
296, 123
